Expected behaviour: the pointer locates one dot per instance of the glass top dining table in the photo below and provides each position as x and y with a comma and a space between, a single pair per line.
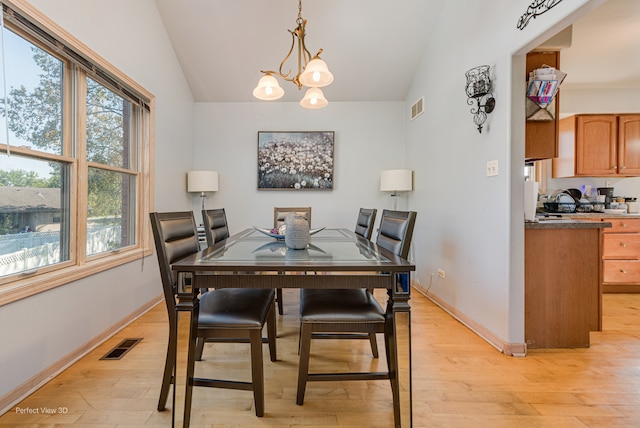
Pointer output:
334, 258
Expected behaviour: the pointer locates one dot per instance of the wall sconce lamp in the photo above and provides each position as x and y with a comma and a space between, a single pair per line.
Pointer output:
202, 181
478, 90
394, 181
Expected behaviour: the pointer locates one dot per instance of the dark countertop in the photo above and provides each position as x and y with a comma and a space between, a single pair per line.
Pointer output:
587, 215
566, 223
600, 215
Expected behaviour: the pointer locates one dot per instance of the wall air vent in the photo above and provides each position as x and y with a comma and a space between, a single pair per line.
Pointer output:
417, 108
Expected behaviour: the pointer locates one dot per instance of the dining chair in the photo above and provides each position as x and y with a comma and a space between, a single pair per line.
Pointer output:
279, 214
232, 314
350, 310
216, 229
215, 225
365, 222
364, 228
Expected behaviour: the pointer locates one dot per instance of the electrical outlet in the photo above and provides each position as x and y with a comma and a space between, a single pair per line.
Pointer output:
492, 168
441, 273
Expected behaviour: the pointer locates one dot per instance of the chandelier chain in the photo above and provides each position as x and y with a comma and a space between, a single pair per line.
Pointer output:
299, 20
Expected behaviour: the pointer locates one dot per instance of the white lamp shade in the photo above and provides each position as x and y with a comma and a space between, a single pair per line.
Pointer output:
268, 89
316, 74
396, 180
314, 98
202, 181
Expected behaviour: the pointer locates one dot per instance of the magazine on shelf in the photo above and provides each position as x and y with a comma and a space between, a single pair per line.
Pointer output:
542, 91
543, 85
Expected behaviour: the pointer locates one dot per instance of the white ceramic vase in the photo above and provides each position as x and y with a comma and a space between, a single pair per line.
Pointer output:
297, 232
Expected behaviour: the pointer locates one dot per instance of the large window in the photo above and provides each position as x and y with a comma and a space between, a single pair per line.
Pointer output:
74, 154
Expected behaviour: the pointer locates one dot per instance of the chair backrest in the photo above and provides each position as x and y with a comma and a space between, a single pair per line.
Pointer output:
215, 225
396, 231
366, 219
279, 214
176, 236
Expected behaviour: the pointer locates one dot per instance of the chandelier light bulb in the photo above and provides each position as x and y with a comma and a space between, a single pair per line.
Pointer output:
314, 98
268, 88
316, 74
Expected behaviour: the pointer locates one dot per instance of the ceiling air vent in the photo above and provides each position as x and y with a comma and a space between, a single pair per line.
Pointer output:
417, 108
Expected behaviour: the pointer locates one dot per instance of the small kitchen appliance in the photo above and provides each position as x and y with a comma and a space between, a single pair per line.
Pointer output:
608, 192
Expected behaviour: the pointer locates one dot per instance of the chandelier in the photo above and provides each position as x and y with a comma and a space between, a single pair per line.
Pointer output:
312, 73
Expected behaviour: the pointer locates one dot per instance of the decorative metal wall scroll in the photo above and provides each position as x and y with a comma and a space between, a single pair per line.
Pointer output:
536, 8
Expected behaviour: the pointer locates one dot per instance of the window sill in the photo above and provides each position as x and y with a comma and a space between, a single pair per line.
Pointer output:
26, 287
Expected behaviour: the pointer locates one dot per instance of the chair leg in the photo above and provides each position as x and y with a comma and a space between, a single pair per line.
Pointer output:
279, 300
167, 377
303, 365
373, 340
271, 332
257, 374
199, 348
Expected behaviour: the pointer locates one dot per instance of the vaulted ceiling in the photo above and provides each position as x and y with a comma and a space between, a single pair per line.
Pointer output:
222, 45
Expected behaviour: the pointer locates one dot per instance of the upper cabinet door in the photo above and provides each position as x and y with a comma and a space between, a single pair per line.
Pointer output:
596, 145
629, 145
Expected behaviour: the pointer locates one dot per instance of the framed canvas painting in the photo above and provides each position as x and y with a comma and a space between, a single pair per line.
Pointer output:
295, 160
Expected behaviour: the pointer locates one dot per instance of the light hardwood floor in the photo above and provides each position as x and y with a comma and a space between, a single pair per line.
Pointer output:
458, 380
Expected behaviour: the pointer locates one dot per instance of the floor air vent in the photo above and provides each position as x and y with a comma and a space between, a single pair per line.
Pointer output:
417, 108
121, 349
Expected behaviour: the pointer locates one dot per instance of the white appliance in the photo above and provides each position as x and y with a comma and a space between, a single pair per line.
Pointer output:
530, 199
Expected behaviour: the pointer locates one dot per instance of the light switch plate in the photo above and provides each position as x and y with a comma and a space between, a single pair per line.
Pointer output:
492, 168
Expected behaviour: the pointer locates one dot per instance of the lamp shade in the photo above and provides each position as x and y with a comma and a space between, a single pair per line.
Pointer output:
268, 89
396, 180
316, 74
202, 181
314, 98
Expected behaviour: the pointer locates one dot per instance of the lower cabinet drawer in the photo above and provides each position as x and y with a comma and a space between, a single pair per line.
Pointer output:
621, 271
625, 225
621, 246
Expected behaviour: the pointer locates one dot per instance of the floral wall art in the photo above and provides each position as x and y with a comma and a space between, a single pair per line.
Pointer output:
295, 160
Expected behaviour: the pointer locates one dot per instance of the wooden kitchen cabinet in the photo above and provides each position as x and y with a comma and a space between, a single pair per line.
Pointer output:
629, 144
598, 145
562, 286
621, 256
541, 137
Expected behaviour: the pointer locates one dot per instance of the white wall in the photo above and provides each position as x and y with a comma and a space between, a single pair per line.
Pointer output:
369, 137
40, 330
471, 225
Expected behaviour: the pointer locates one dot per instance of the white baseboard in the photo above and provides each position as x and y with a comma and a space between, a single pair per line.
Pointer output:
507, 348
12, 398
